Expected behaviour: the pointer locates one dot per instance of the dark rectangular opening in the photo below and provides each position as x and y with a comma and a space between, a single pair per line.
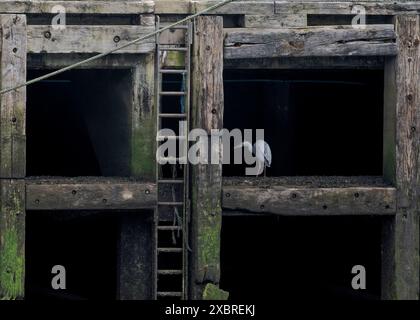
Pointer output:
317, 122
269, 257
91, 245
79, 123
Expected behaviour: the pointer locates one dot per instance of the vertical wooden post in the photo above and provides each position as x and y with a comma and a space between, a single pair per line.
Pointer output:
207, 113
400, 278
12, 157
135, 270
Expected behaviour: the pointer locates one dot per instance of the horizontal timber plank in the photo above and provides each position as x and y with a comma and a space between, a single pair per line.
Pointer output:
374, 40
88, 39
309, 196
262, 7
74, 194
77, 7
375, 7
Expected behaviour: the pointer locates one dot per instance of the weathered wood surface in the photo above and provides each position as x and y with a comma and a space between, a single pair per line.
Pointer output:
13, 104
74, 195
143, 140
12, 157
261, 7
275, 21
80, 6
87, 39
207, 103
400, 267
315, 41
12, 239
374, 7
280, 196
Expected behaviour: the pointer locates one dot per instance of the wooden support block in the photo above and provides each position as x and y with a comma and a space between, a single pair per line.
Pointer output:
276, 196
207, 103
88, 39
13, 104
400, 260
77, 7
275, 21
12, 157
143, 143
74, 194
315, 41
12, 239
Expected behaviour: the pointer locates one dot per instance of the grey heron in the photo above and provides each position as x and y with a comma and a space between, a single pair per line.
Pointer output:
261, 150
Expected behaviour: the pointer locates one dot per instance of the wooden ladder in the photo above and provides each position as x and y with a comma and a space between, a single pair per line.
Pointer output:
171, 261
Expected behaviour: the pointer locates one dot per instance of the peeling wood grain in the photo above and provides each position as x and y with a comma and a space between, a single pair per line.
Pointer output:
314, 41
88, 39
309, 201
82, 6
84, 196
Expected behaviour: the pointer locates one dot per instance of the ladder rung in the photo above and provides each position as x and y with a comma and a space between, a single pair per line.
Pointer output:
170, 181
172, 93
166, 203
170, 250
169, 294
170, 272
172, 48
171, 137
173, 71
172, 115
171, 160
169, 228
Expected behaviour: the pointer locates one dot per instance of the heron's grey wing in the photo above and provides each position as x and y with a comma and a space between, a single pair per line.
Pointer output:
267, 154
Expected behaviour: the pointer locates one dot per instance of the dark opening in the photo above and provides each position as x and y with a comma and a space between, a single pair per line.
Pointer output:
88, 245
78, 124
316, 122
299, 257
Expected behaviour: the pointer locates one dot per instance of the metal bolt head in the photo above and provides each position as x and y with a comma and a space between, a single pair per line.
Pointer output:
117, 39
147, 191
47, 34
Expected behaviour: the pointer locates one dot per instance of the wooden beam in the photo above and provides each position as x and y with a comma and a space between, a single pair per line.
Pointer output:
315, 41
259, 7
400, 266
77, 7
74, 194
275, 21
345, 7
88, 39
280, 196
12, 157
207, 113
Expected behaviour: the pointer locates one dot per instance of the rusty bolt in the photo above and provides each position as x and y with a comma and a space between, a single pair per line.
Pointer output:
227, 195
214, 111
117, 39
47, 34
73, 192
15, 50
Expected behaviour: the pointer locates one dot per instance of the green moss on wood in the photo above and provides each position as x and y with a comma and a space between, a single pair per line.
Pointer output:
143, 150
12, 266
213, 292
